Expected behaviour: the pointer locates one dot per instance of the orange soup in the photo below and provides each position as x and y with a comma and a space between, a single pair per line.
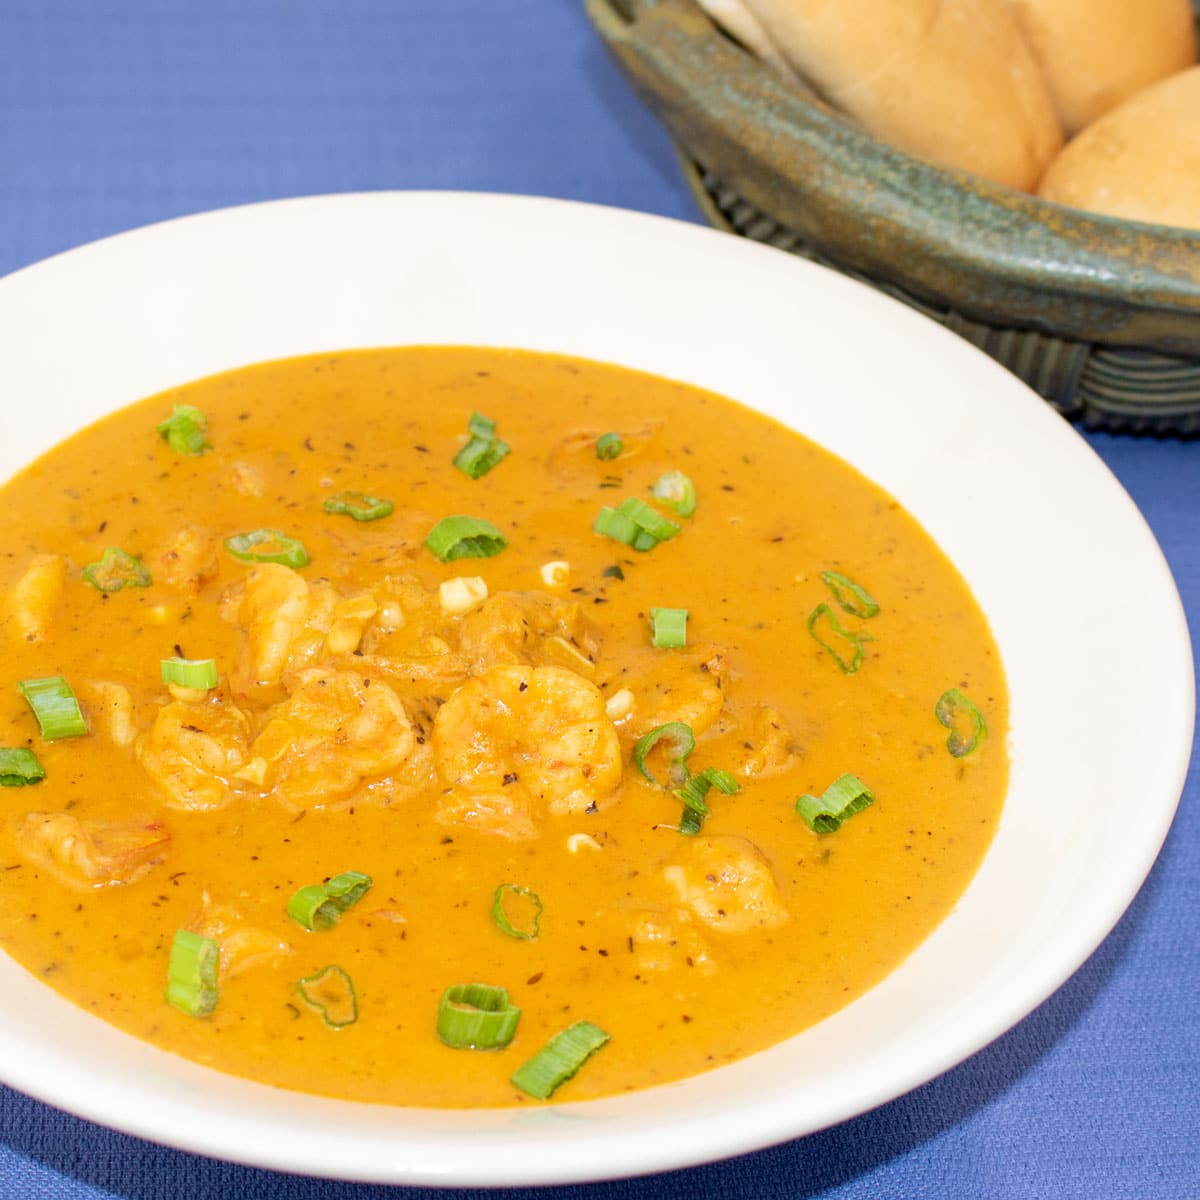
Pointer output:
375, 721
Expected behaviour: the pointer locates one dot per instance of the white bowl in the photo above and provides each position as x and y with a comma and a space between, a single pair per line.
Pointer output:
1080, 600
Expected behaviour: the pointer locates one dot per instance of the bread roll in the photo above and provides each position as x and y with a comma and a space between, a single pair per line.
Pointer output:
1094, 53
737, 20
953, 82
1140, 161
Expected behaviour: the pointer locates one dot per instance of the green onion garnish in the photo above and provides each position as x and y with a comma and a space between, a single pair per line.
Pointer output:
634, 523
116, 569
963, 719
197, 673
358, 505
559, 1059
676, 491
849, 596
476, 1016
320, 905
616, 525
55, 707
331, 992
609, 445
267, 546
682, 742
649, 520
19, 767
184, 430
668, 627
694, 793
481, 426
192, 973
528, 929
484, 450
464, 537
842, 799
480, 455
848, 665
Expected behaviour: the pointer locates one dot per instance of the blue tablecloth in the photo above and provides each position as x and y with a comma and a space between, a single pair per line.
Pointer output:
114, 113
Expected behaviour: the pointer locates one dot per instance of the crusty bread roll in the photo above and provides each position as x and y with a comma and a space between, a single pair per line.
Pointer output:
735, 18
1094, 53
1140, 161
951, 81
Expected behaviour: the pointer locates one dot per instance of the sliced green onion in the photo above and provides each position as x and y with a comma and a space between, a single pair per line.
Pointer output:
483, 451
192, 973
849, 596
682, 742
267, 546
677, 491
528, 929
694, 796
184, 430
320, 905
19, 767
464, 537
616, 525
848, 665
648, 519
609, 445
481, 426
644, 541
559, 1059
331, 992
197, 673
55, 707
480, 455
965, 722
668, 627
358, 505
476, 1016
116, 569
841, 800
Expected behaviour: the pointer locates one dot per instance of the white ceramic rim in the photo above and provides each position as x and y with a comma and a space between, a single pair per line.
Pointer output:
1079, 596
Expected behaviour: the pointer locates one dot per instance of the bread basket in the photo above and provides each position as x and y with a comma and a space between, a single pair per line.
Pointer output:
1100, 316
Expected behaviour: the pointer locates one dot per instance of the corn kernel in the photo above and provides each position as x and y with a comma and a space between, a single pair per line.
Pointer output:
556, 574
463, 593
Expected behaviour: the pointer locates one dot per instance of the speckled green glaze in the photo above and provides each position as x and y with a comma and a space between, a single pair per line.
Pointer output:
948, 238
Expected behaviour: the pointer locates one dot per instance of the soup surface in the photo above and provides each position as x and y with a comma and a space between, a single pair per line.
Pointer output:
478, 735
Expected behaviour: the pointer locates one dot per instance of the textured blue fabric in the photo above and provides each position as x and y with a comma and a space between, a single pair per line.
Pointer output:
115, 113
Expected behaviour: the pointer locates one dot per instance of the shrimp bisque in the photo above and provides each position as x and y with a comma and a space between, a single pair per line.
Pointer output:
454, 727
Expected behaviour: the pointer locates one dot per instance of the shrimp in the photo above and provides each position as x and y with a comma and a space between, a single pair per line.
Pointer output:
194, 751
533, 628
574, 457
187, 560
37, 594
111, 709
289, 624
765, 743
335, 729
243, 946
271, 603
92, 853
725, 882
246, 479
687, 686
517, 742
665, 941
